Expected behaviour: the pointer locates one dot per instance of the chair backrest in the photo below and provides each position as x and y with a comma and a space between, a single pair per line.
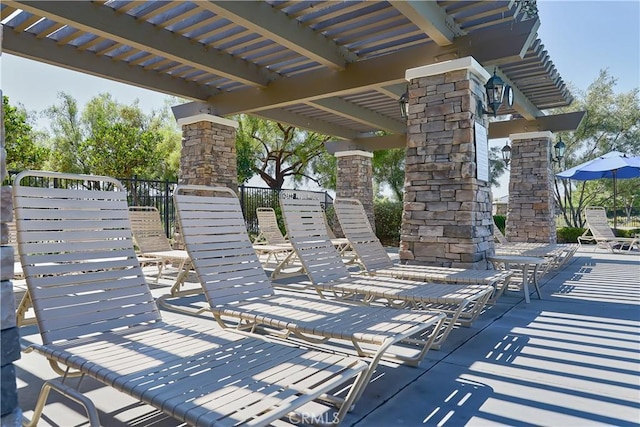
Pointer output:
147, 229
356, 227
12, 240
597, 222
268, 225
216, 238
308, 235
498, 236
77, 254
330, 232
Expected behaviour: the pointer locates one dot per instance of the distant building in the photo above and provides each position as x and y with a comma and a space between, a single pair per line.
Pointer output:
500, 205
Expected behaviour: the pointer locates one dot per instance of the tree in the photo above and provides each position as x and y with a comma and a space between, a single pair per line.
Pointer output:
388, 168
109, 138
612, 122
24, 150
275, 151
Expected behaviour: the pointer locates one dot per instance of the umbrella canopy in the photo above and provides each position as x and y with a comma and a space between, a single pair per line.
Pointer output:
614, 165
611, 164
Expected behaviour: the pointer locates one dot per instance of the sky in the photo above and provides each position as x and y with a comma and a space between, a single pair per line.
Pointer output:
581, 37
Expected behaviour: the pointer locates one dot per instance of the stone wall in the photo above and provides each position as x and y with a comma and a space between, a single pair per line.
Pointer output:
354, 180
447, 211
208, 155
9, 336
531, 214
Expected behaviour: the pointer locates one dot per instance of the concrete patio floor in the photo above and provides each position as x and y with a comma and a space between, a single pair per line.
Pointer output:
570, 359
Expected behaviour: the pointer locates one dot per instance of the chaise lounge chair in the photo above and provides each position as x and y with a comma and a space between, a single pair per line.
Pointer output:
97, 318
240, 294
272, 243
152, 243
602, 234
375, 261
556, 254
328, 274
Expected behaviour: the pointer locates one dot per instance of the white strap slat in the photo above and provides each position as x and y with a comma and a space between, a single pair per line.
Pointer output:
47, 247
74, 193
66, 213
91, 282
50, 335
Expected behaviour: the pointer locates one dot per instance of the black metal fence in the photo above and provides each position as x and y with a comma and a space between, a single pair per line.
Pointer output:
141, 192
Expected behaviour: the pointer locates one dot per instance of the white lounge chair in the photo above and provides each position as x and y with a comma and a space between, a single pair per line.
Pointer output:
556, 255
375, 261
603, 235
270, 233
271, 243
153, 245
97, 318
240, 294
327, 272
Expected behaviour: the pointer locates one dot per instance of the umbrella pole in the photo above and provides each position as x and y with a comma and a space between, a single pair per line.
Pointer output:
615, 195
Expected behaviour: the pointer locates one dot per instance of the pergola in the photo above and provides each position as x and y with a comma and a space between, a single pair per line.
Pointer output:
334, 67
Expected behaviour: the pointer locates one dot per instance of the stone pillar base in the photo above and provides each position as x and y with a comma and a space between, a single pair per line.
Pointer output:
354, 179
208, 155
531, 211
447, 209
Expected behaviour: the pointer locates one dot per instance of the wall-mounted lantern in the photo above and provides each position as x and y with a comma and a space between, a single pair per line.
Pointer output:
404, 105
558, 151
506, 154
496, 90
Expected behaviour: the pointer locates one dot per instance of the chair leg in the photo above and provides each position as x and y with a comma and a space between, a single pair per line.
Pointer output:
68, 392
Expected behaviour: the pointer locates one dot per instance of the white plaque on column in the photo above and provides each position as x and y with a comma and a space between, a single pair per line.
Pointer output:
482, 152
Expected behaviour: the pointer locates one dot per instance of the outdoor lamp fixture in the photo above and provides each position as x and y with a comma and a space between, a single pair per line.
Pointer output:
506, 154
495, 88
404, 105
558, 151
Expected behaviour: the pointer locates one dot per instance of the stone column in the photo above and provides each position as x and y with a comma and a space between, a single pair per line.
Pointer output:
531, 212
10, 413
447, 210
354, 179
208, 155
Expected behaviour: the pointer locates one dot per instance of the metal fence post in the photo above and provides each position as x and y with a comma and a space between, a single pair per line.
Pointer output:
167, 218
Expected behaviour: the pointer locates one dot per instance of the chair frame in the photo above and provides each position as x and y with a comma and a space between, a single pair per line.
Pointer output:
303, 216
376, 262
602, 234
240, 294
97, 318
154, 246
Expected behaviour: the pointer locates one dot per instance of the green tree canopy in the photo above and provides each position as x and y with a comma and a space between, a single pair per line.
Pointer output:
24, 150
611, 123
275, 151
109, 138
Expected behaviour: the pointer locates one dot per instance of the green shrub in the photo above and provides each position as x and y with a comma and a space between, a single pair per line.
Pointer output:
569, 234
501, 222
388, 217
627, 233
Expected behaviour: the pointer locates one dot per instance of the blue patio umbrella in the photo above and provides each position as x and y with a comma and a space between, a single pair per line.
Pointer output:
614, 165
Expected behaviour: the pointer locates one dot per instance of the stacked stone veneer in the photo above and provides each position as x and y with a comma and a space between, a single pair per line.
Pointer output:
208, 155
10, 345
447, 211
531, 216
354, 179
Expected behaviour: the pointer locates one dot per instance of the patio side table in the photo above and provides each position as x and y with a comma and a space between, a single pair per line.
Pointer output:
524, 262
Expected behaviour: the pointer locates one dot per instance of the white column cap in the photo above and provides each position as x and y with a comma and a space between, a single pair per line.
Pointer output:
204, 117
362, 153
468, 63
532, 135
